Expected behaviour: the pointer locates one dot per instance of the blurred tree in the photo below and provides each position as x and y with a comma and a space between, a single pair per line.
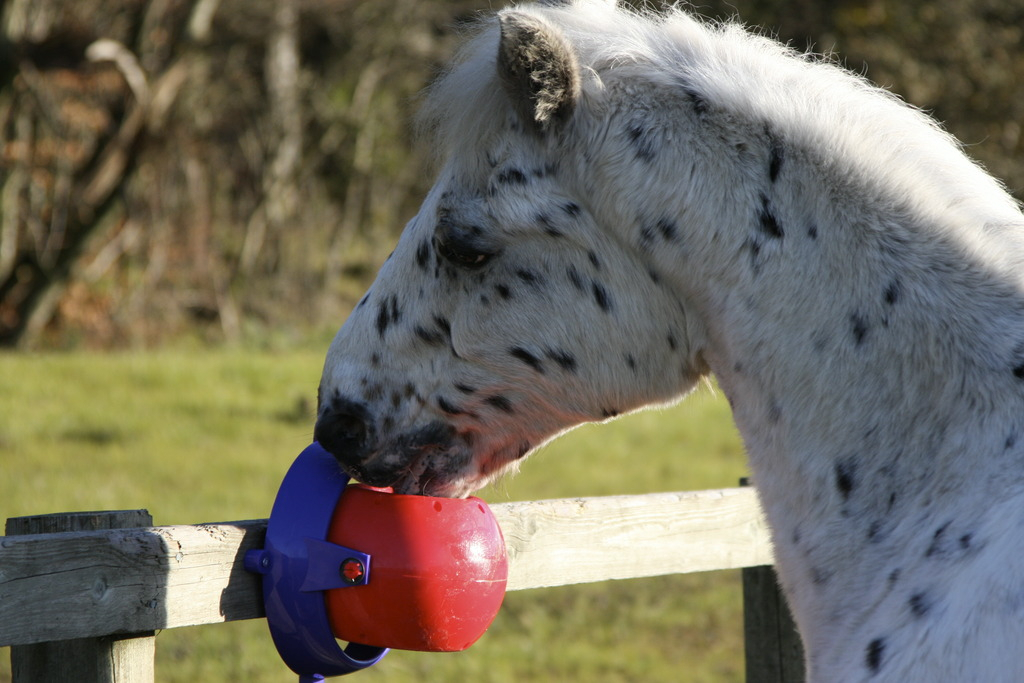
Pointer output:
202, 164
73, 115
223, 167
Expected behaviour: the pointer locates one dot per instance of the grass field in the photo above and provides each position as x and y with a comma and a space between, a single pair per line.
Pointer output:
201, 436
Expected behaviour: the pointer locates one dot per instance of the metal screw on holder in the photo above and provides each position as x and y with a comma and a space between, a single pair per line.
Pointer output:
352, 571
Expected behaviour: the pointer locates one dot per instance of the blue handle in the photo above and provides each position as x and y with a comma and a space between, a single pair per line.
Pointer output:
297, 564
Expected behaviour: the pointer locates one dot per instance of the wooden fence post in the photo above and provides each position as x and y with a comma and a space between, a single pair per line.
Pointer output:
772, 647
114, 659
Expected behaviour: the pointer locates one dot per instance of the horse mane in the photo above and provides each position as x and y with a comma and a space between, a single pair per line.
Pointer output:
805, 99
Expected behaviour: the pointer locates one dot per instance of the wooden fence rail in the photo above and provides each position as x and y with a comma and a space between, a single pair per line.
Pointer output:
112, 582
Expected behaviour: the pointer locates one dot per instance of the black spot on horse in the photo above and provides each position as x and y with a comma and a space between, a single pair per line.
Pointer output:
500, 403
435, 336
571, 209
919, 605
575, 278
448, 407
503, 291
644, 146
775, 157
820, 577
668, 230
383, 319
938, 546
444, 325
388, 313
521, 354
529, 277
423, 254
563, 358
431, 337
697, 100
464, 388
608, 413
512, 176
845, 477
631, 362
544, 220
602, 297
1018, 371
767, 222
594, 261
873, 658
859, 328
812, 231
892, 292
1011, 440
646, 236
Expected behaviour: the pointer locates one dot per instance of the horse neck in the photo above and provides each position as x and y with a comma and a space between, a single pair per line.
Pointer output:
868, 352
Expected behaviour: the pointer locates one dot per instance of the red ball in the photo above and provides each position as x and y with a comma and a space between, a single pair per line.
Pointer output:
437, 572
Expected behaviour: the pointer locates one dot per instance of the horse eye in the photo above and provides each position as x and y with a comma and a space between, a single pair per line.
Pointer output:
460, 253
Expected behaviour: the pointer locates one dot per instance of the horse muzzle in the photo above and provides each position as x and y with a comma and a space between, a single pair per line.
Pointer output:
346, 429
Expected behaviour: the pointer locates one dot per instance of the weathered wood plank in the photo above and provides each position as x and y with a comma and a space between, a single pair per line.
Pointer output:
64, 586
99, 660
97, 583
558, 542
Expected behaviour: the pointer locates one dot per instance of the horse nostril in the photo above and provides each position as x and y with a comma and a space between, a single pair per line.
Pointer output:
343, 432
349, 429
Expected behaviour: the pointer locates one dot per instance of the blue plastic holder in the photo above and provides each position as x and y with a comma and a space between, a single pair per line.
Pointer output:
297, 565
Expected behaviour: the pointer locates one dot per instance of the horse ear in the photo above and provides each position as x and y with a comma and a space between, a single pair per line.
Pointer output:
538, 69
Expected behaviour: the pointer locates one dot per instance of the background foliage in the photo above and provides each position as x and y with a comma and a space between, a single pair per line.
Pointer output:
225, 168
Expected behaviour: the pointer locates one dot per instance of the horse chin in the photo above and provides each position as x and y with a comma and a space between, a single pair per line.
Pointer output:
413, 485
426, 476
449, 470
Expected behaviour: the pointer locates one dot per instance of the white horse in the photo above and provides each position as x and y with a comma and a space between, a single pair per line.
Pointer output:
627, 202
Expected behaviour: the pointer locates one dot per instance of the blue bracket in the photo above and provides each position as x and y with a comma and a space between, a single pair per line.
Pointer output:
297, 564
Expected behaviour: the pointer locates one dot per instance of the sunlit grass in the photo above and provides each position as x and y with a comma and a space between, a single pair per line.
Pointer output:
199, 436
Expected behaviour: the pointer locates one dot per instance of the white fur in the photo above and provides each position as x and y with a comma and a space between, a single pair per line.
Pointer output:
863, 311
